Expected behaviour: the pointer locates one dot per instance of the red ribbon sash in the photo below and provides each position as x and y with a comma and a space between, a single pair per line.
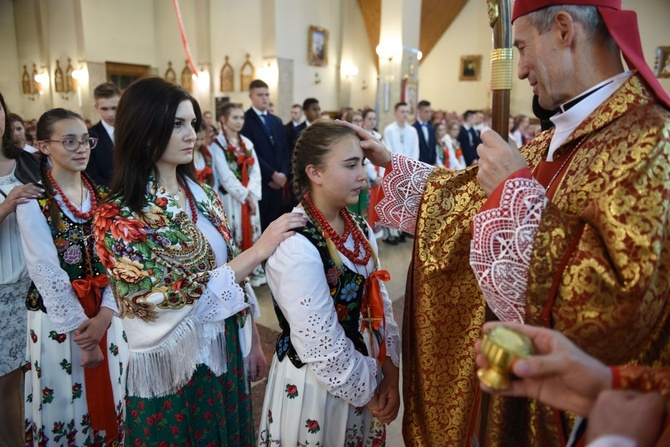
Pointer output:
373, 301
99, 395
247, 232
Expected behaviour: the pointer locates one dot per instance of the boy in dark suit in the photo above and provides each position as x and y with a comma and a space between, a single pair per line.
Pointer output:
100, 165
267, 133
469, 138
426, 131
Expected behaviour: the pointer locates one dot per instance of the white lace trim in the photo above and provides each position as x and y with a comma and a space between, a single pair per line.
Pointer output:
165, 369
502, 244
109, 301
403, 189
222, 298
62, 305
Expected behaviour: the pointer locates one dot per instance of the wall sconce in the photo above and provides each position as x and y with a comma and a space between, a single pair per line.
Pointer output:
317, 79
389, 49
80, 75
41, 79
201, 79
349, 70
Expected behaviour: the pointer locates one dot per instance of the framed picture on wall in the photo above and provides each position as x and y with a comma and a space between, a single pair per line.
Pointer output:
663, 62
471, 67
317, 46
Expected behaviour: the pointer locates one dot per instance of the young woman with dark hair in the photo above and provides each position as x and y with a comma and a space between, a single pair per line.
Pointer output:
334, 376
14, 284
185, 303
75, 387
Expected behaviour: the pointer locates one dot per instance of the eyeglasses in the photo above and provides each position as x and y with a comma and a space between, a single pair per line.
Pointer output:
70, 144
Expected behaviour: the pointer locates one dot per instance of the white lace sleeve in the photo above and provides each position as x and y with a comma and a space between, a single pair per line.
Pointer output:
228, 180
502, 244
63, 307
296, 277
222, 298
403, 188
109, 301
391, 331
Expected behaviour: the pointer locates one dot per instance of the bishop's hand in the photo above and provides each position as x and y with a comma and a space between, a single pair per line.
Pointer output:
497, 161
373, 149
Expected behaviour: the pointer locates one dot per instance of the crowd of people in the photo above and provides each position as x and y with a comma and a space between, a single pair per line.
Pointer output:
130, 250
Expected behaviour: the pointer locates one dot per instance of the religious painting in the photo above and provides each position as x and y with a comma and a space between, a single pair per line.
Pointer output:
70, 85
471, 67
170, 74
187, 78
227, 77
25, 82
317, 48
59, 81
247, 74
410, 92
663, 62
122, 75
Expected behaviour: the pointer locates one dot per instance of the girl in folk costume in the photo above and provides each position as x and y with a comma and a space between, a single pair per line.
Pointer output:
75, 387
448, 148
202, 159
236, 167
185, 305
334, 375
375, 173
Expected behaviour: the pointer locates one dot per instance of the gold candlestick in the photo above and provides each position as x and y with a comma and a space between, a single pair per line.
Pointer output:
502, 347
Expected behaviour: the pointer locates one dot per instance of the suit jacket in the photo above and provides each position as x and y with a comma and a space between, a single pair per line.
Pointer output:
272, 150
273, 156
100, 163
427, 149
469, 149
295, 134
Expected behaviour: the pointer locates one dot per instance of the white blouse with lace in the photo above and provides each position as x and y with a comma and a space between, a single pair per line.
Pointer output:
63, 307
296, 277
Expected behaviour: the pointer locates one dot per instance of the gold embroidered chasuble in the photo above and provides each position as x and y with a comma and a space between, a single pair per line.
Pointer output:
600, 273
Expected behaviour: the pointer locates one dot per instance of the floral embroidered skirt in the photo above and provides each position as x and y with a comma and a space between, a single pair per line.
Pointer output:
208, 411
13, 325
299, 411
56, 409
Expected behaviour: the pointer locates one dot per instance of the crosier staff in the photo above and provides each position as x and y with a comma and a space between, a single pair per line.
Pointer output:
502, 70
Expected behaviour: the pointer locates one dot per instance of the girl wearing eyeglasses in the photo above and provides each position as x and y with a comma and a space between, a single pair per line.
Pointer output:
75, 387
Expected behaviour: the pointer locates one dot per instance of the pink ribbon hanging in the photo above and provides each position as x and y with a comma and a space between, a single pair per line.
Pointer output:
184, 39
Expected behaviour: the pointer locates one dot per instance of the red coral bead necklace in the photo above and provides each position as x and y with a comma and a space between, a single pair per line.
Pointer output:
350, 227
78, 213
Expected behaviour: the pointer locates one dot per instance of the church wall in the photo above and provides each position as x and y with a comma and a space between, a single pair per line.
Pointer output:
360, 90
235, 31
120, 31
654, 32
293, 19
12, 68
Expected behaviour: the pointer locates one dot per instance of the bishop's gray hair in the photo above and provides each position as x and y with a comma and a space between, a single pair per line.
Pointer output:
588, 16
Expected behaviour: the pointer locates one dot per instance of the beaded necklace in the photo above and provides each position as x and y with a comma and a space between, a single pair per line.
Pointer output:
190, 201
350, 227
70, 205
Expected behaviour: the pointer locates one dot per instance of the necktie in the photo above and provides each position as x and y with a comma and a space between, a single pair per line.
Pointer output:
264, 117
